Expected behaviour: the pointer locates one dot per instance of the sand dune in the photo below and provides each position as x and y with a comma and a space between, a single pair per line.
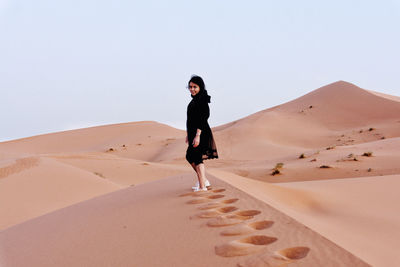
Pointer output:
46, 187
341, 105
156, 224
115, 168
315, 120
121, 192
142, 140
332, 118
44, 184
341, 161
358, 213
391, 97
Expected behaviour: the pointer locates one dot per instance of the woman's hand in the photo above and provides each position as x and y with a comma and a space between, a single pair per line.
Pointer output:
196, 141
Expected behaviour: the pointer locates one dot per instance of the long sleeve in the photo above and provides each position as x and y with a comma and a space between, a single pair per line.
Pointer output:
204, 114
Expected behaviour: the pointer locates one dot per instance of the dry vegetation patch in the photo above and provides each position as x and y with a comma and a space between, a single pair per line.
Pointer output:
277, 169
325, 167
367, 154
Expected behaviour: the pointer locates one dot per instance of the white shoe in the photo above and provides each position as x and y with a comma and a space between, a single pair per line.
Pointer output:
197, 189
207, 183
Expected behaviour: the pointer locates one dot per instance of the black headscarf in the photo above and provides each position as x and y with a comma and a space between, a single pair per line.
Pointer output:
202, 95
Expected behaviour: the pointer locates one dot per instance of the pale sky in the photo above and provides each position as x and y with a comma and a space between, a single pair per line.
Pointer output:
78, 63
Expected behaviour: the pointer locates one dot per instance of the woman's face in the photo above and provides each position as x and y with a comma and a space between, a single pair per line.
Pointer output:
194, 88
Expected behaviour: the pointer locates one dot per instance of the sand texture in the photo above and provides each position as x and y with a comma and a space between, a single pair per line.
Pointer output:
311, 182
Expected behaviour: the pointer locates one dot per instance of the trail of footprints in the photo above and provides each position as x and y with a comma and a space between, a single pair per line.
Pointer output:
220, 213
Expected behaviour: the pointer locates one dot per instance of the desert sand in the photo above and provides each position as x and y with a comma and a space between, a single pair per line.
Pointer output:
120, 194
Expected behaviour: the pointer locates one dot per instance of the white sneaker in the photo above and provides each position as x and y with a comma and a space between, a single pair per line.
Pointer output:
207, 183
197, 189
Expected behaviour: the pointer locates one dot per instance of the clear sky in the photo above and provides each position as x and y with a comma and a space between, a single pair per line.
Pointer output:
70, 64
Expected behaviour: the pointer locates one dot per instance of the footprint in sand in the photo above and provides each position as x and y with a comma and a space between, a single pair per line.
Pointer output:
247, 245
248, 228
202, 193
218, 190
247, 213
220, 211
20, 164
244, 246
232, 219
279, 258
204, 199
214, 196
195, 194
294, 253
198, 201
229, 201
216, 212
210, 206
214, 205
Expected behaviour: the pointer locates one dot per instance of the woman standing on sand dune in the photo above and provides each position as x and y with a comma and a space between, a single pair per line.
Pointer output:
201, 145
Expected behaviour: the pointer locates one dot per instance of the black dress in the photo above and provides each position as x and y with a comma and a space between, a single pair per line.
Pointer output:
198, 113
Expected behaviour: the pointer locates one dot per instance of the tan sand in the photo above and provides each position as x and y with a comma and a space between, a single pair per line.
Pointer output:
358, 214
33, 186
143, 140
153, 225
63, 195
44, 188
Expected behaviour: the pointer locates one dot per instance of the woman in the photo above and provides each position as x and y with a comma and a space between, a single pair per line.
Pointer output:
201, 145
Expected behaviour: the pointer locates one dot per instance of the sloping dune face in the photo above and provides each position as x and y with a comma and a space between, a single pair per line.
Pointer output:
43, 173
139, 140
341, 105
332, 127
314, 120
